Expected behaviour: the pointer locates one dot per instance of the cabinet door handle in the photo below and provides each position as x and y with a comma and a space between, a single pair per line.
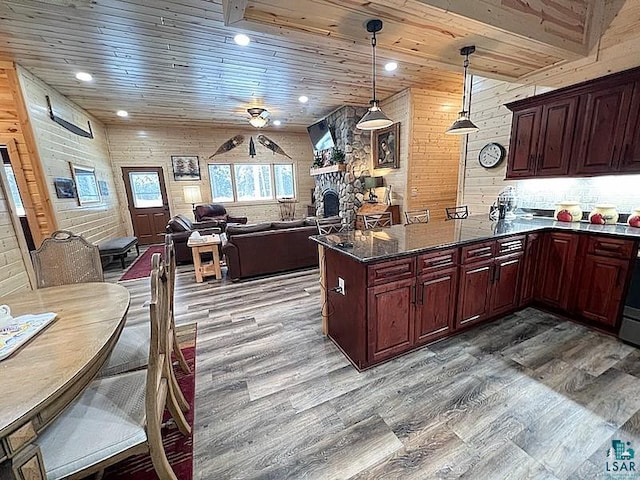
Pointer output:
492, 272
625, 151
420, 298
414, 295
497, 274
615, 149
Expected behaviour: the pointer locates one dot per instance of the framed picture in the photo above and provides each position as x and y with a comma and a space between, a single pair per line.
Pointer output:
103, 187
185, 168
385, 145
65, 188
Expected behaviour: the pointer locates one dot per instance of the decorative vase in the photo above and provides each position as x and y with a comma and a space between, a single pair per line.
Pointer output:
568, 212
634, 218
604, 214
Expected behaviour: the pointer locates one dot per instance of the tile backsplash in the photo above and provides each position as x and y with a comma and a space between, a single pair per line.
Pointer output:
623, 191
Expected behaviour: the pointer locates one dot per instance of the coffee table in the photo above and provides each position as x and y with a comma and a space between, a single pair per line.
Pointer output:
206, 243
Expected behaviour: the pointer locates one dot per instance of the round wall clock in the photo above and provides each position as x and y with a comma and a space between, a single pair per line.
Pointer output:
491, 155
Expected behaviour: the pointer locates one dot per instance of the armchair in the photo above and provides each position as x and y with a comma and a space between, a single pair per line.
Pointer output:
180, 229
215, 212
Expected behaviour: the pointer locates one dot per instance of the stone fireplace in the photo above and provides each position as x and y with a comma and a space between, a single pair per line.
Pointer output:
344, 182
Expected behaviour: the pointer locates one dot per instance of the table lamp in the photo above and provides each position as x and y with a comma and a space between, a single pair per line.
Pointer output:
371, 183
192, 195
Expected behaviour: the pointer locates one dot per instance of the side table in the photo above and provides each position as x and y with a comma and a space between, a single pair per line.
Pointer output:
207, 243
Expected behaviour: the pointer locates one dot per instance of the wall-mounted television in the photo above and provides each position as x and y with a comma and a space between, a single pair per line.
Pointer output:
321, 137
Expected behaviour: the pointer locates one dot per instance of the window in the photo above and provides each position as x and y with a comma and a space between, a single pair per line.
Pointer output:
145, 189
245, 182
13, 188
86, 184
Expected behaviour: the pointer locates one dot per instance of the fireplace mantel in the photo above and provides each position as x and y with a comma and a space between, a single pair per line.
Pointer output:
338, 167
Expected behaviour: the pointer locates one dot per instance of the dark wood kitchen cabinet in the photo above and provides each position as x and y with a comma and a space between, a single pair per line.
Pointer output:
557, 261
530, 272
630, 158
390, 319
490, 278
541, 139
600, 283
436, 295
602, 129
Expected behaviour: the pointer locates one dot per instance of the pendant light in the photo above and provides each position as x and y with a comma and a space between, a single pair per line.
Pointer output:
463, 125
374, 118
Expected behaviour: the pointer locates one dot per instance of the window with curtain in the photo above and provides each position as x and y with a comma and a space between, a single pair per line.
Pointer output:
246, 182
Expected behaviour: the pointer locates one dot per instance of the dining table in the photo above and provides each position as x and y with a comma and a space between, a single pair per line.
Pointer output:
41, 378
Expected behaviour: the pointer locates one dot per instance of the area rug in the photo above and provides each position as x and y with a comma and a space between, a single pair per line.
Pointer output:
179, 449
141, 267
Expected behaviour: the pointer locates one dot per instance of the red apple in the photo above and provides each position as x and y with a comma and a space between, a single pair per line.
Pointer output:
564, 216
634, 221
597, 218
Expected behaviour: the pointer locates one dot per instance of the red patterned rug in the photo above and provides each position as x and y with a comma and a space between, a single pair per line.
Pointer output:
179, 448
141, 267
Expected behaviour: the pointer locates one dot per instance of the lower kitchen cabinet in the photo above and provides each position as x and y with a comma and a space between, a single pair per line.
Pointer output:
557, 261
530, 269
600, 288
390, 319
474, 296
435, 305
505, 292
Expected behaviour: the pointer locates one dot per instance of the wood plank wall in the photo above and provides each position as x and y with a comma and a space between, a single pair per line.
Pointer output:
428, 173
59, 147
615, 52
154, 146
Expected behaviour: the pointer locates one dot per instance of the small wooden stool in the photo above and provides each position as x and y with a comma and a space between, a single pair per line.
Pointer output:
207, 243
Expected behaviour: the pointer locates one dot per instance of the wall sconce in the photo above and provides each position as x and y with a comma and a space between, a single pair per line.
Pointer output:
371, 183
192, 195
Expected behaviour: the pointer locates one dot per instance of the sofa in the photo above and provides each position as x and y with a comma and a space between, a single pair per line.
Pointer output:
180, 229
266, 248
215, 212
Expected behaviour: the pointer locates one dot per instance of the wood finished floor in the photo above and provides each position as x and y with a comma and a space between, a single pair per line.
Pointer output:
528, 396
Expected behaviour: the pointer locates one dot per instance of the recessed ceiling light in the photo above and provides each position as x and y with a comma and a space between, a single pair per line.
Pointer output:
277, 123
84, 76
242, 40
391, 66
122, 113
303, 99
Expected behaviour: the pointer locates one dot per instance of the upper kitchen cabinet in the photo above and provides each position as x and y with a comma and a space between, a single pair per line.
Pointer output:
584, 130
604, 117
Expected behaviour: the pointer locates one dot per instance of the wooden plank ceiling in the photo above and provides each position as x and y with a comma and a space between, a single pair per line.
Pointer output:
176, 62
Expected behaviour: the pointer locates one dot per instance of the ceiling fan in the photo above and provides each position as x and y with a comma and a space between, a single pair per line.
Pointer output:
259, 117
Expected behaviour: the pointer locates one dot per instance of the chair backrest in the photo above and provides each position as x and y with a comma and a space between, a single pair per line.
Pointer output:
416, 216
457, 213
329, 228
66, 258
157, 385
287, 208
170, 269
376, 220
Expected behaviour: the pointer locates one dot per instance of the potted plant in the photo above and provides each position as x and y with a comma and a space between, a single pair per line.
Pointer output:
337, 156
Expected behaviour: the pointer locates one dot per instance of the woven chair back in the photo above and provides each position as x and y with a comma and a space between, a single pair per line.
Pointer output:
66, 258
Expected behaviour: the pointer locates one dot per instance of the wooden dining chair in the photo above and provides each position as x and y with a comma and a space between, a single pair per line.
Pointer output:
120, 416
132, 350
329, 228
66, 258
457, 213
416, 216
377, 220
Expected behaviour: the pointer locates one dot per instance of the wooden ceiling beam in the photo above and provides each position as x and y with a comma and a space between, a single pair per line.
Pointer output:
233, 11
562, 24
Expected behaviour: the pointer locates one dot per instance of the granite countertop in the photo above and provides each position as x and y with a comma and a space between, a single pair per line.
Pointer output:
405, 240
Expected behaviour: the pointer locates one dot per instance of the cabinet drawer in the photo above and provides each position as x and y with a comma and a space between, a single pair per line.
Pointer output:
430, 262
391, 271
610, 247
509, 245
477, 252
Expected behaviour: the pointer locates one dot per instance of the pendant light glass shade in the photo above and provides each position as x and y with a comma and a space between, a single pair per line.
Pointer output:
463, 125
375, 118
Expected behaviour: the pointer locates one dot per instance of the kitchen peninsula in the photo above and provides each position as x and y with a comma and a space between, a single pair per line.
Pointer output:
389, 291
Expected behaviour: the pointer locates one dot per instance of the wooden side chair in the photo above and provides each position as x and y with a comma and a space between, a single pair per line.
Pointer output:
416, 216
377, 220
66, 258
119, 416
132, 350
287, 208
457, 213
